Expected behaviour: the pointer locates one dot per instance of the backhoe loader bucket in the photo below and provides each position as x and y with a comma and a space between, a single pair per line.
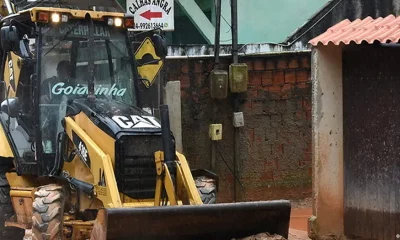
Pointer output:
213, 221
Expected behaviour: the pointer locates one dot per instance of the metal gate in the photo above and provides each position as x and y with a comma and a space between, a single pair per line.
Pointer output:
371, 110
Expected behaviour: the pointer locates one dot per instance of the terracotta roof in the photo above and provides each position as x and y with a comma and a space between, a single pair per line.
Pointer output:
384, 30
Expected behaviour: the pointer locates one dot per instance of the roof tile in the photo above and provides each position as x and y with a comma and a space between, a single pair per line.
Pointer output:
384, 30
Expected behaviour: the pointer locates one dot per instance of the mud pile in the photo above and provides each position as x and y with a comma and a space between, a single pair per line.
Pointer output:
262, 236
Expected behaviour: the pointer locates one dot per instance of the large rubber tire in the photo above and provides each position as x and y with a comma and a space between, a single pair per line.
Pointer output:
48, 210
6, 208
207, 189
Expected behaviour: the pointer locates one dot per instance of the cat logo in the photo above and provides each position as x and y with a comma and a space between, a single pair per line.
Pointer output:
135, 121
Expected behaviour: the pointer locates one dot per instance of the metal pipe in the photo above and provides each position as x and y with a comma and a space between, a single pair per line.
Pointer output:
235, 96
166, 133
216, 67
234, 31
9, 7
217, 32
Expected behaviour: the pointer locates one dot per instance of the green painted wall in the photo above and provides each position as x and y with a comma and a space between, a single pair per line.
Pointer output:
269, 20
259, 21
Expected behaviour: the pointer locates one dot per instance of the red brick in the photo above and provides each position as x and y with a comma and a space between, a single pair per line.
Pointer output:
247, 105
305, 62
307, 156
173, 77
270, 65
267, 176
252, 93
278, 176
251, 135
274, 89
293, 63
290, 76
282, 64
195, 96
268, 164
310, 172
210, 66
205, 91
250, 65
279, 78
279, 148
302, 76
266, 82
185, 81
306, 105
308, 115
184, 95
266, 79
255, 79
185, 67
227, 179
300, 115
302, 85
286, 89
199, 80
259, 65
276, 163
198, 67
308, 148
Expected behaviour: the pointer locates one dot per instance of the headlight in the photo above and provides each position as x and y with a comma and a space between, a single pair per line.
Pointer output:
55, 17
118, 22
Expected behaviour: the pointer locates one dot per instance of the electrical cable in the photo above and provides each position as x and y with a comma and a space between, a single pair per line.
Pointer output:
234, 175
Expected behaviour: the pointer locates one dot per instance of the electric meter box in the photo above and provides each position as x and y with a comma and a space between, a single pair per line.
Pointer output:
215, 132
219, 84
238, 77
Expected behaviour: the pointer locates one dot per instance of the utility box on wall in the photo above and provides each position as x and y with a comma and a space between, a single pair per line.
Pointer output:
238, 77
219, 84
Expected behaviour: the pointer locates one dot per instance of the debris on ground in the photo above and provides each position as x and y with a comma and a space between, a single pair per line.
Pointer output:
262, 236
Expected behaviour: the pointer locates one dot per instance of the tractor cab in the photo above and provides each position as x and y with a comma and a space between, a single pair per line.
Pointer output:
52, 57
73, 66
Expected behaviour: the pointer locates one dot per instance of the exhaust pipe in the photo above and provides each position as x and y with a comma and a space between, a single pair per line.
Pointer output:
166, 134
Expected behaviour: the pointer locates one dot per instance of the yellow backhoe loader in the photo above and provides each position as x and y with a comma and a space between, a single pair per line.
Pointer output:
79, 157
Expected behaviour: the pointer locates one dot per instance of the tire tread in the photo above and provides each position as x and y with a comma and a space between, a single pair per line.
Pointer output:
48, 208
207, 189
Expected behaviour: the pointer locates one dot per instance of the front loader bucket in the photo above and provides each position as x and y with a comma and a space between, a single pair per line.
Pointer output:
211, 221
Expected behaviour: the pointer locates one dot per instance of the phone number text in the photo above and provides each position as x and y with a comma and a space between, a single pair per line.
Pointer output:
150, 25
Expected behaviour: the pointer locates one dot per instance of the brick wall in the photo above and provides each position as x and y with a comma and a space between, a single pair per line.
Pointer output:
275, 151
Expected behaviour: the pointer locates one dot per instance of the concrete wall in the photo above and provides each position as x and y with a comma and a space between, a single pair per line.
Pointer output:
275, 149
327, 136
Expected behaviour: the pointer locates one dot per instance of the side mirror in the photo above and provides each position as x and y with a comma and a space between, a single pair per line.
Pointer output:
160, 45
11, 107
9, 38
